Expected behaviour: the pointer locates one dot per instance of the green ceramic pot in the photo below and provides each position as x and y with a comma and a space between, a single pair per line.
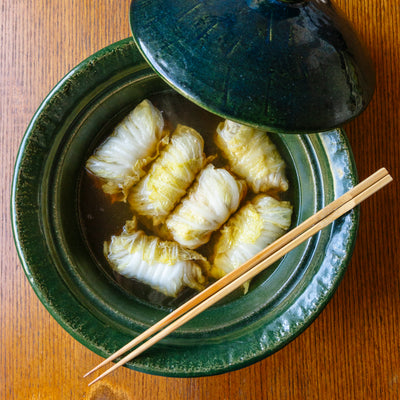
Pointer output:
90, 304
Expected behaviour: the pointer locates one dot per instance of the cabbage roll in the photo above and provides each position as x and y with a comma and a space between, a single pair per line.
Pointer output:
170, 175
120, 159
252, 156
215, 195
256, 225
165, 266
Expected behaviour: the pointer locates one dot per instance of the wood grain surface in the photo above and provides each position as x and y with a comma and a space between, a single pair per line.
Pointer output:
352, 351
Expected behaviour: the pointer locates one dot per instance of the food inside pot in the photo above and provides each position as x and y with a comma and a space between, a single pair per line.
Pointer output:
171, 201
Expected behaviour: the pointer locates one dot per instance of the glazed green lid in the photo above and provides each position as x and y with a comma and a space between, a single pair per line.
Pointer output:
288, 66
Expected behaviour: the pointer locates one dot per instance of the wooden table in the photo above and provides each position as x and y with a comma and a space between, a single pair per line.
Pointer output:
352, 351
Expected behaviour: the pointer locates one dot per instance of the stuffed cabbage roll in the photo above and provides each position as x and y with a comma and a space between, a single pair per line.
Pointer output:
252, 156
120, 159
165, 266
215, 195
256, 225
170, 175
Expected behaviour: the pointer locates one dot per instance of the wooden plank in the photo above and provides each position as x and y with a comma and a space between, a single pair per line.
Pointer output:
352, 349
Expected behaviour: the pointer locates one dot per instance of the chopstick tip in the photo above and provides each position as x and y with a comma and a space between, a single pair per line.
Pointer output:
99, 366
92, 370
98, 378
93, 381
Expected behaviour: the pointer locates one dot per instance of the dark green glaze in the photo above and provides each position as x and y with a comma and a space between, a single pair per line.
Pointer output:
282, 302
294, 66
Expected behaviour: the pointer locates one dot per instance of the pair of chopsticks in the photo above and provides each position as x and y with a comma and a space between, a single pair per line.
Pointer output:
248, 270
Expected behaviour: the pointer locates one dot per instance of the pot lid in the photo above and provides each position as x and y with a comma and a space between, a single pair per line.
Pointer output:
287, 66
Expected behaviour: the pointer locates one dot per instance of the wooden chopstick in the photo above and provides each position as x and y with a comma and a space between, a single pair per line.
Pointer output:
262, 260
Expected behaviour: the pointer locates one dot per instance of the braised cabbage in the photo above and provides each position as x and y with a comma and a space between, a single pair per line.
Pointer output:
120, 159
252, 156
256, 225
164, 265
215, 195
170, 175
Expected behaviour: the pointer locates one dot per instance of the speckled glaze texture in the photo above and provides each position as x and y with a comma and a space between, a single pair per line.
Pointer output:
288, 66
282, 301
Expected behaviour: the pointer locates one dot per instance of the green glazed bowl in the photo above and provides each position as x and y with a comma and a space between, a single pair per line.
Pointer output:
89, 303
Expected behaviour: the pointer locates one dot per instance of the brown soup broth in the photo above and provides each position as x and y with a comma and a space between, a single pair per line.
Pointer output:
101, 217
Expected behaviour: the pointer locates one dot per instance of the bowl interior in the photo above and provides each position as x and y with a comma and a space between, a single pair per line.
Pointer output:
76, 286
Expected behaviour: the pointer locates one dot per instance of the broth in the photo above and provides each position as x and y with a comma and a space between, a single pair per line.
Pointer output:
101, 218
